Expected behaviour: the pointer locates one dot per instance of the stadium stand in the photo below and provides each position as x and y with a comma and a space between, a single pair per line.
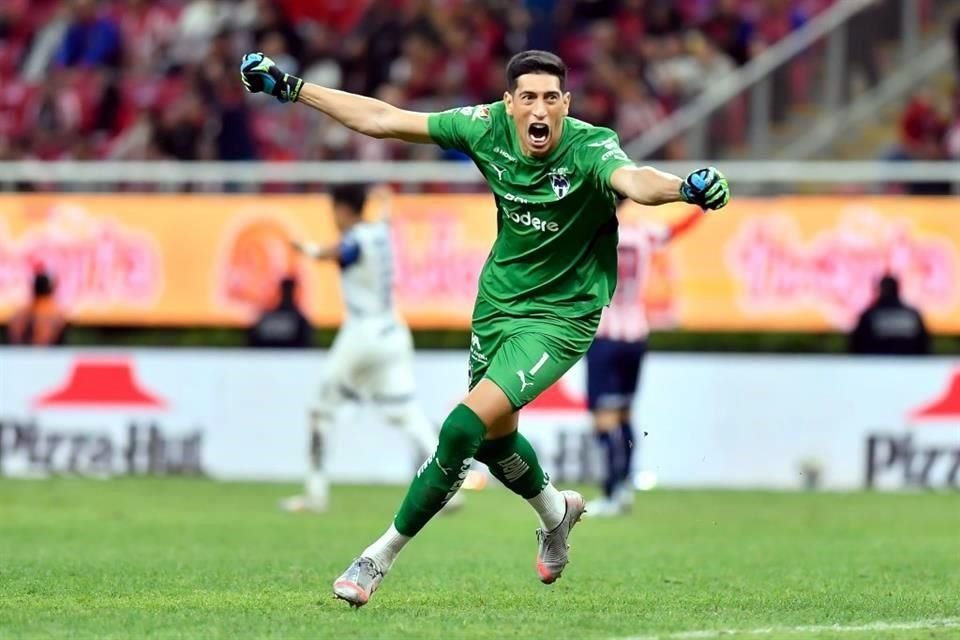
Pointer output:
141, 80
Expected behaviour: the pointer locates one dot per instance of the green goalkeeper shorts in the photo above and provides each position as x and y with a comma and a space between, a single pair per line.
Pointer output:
525, 354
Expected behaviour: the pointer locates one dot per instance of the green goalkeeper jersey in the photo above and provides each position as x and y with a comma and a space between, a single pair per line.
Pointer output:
556, 246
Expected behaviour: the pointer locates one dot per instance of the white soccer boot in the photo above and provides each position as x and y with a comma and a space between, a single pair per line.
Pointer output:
357, 584
553, 554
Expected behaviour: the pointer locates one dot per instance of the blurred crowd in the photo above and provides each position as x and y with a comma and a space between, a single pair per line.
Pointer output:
929, 128
157, 79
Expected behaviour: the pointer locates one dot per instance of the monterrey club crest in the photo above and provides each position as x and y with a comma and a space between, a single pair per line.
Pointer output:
560, 181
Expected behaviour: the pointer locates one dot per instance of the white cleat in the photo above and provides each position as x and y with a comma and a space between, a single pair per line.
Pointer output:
605, 508
553, 555
358, 583
303, 504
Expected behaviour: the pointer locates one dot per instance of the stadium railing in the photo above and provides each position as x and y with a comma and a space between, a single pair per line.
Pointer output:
753, 177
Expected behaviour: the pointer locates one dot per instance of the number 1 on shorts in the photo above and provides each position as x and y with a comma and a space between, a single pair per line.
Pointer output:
533, 371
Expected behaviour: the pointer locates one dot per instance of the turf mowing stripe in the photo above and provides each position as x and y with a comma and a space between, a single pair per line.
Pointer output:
943, 623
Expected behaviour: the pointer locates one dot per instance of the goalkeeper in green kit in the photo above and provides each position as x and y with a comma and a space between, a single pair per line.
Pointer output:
552, 269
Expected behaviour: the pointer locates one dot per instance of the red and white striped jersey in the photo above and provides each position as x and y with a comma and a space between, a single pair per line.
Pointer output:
626, 317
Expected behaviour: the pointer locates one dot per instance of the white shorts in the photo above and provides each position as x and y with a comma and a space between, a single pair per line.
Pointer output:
372, 359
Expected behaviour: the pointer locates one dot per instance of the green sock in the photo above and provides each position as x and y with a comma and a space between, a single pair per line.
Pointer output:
513, 462
442, 474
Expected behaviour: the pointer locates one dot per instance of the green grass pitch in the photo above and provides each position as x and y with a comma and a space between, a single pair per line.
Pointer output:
169, 558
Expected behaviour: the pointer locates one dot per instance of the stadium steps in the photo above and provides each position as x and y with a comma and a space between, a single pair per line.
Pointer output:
866, 142
874, 140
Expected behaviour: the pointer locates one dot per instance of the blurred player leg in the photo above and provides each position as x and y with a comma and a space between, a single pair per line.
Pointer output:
606, 401
316, 490
388, 363
630, 364
316, 495
624, 489
335, 389
607, 432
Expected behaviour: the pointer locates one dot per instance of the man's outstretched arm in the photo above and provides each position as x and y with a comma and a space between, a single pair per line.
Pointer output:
368, 116
646, 185
706, 188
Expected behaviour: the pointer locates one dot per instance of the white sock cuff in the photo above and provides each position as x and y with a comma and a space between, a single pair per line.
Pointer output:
550, 506
385, 549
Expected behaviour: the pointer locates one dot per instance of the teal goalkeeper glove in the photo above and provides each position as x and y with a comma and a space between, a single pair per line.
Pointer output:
706, 188
260, 74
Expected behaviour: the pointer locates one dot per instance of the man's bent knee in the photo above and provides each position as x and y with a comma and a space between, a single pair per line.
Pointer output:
492, 406
502, 427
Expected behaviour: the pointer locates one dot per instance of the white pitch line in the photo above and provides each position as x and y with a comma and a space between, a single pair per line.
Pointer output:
707, 634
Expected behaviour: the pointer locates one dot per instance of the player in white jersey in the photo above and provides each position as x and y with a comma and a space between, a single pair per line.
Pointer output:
615, 358
371, 358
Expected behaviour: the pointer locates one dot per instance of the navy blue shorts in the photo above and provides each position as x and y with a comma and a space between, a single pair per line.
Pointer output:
613, 369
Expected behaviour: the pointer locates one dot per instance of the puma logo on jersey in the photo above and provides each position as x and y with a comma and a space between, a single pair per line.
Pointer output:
533, 371
523, 380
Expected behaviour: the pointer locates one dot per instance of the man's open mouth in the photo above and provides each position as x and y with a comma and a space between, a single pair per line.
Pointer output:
539, 134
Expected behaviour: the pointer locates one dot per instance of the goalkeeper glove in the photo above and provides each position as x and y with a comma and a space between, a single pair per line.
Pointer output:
260, 74
706, 188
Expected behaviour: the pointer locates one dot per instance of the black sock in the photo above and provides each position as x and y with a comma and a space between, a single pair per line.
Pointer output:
608, 446
629, 445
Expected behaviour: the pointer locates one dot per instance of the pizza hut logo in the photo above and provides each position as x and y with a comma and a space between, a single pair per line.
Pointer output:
101, 383
139, 444
900, 458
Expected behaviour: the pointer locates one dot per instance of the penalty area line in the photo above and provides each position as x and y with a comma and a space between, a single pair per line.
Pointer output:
707, 634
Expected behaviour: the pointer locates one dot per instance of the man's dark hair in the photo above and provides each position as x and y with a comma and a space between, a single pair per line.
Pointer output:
534, 61
352, 196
